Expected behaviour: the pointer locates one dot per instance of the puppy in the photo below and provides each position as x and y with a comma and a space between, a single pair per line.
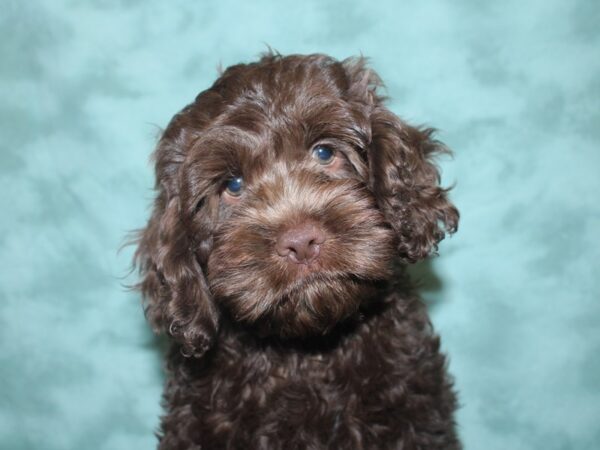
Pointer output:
289, 202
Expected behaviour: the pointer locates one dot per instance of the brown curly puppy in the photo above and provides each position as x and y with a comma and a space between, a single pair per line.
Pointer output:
289, 202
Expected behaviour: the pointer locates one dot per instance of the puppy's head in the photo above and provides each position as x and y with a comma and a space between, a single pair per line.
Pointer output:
285, 193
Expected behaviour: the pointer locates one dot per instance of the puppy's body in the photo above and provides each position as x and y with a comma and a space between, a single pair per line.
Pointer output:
290, 201
377, 384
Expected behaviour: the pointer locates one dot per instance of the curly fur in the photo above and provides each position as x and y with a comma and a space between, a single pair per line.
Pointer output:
268, 354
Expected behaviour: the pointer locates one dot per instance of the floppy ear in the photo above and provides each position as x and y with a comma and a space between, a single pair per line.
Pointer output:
176, 296
406, 184
403, 176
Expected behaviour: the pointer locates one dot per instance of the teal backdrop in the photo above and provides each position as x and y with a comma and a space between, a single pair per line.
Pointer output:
513, 87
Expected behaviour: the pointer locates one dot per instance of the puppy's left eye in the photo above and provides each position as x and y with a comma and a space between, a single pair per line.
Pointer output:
323, 154
235, 186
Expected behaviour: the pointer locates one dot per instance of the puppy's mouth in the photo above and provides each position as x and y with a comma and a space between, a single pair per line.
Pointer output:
302, 272
314, 304
309, 280
307, 277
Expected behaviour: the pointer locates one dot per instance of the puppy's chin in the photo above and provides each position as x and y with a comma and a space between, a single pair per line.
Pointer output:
313, 307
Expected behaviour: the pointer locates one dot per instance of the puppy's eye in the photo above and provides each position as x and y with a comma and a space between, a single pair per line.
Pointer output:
235, 186
323, 154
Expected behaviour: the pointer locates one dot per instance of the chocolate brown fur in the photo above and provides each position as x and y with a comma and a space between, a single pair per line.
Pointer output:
268, 352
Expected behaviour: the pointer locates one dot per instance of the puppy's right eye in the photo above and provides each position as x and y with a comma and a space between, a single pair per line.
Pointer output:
323, 154
235, 186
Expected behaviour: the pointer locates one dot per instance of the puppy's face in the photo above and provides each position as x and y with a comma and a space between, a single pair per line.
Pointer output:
299, 242
286, 191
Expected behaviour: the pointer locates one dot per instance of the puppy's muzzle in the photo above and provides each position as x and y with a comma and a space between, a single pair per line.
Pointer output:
301, 244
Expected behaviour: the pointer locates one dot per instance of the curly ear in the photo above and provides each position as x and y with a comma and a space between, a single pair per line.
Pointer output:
176, 296
402, 175
406, 184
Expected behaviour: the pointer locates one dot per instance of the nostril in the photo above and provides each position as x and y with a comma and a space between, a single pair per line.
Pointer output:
312, 252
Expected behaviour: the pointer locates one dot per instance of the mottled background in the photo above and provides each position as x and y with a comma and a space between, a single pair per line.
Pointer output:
514, 88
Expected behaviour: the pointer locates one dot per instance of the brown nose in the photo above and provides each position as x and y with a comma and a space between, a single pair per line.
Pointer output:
301, 244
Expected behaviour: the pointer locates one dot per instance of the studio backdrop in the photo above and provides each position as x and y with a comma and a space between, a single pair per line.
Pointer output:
514, 90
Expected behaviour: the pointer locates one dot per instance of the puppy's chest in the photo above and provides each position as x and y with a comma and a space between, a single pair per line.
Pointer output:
286, 383
298, 388
247, 397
